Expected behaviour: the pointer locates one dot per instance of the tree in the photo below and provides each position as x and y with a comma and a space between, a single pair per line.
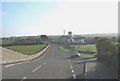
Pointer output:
44, 38
103, 46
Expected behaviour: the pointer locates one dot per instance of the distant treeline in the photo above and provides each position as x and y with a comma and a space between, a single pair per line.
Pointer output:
22, 42
52, 39
93, 40
28, 40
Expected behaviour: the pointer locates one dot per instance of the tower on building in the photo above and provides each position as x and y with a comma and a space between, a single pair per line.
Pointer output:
69, 34
63, 32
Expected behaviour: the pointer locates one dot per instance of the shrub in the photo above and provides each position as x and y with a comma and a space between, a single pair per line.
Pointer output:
107, 51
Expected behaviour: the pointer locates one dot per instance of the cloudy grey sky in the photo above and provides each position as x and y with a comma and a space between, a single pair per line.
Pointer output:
51, 18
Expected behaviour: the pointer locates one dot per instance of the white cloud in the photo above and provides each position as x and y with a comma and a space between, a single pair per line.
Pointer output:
79, 18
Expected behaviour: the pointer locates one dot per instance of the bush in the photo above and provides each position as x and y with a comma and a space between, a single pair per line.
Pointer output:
107, 51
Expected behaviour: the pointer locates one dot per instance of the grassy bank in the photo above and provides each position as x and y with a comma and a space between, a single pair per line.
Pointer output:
27, 49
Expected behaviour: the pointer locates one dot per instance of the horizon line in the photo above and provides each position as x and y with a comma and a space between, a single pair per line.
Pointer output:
54, 34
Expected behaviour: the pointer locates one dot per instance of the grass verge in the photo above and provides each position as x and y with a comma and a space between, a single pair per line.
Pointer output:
27, 49
63, 49
88, 55
91, 48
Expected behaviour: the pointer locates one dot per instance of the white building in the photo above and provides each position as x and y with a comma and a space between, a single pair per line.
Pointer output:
70, 39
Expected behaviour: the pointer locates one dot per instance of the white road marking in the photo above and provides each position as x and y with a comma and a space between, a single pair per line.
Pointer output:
9, 65
16, 64
74, 76
24, 78
71, 67
36, 68
68, 60
72, 71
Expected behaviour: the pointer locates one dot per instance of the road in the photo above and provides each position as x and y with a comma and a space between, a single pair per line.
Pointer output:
52, 65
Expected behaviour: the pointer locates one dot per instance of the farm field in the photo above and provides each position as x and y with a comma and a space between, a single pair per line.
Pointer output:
86, 51
27, 49
80, 48
63, 49
86, 48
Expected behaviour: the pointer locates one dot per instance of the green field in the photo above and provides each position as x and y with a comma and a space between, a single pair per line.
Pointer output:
82, 49
86, 48
27, 49
63, 49
88, 55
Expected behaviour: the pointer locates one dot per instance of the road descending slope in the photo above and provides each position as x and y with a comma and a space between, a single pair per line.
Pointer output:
52, 65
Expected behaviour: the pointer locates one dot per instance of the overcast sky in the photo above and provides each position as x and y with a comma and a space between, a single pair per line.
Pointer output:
51, 18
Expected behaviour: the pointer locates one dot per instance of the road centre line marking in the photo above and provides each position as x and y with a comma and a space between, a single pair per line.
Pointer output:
68, 60
71, 67
36, 68
74, 76
72, 71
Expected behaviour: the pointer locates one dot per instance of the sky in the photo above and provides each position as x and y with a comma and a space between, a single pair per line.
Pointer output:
51, 18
